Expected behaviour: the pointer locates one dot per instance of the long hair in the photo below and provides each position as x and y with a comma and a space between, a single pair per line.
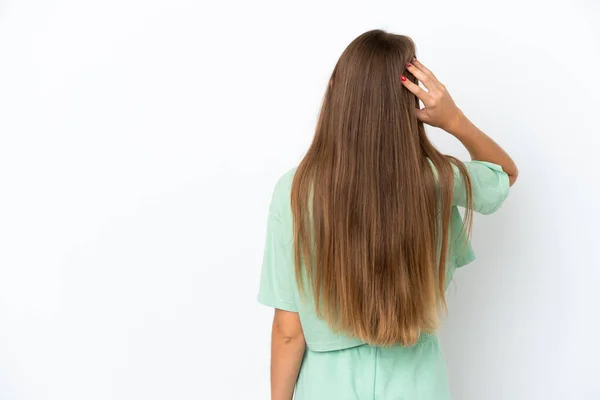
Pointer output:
370, 214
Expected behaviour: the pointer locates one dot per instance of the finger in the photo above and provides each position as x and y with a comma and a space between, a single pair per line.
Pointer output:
416, 90
422, 76
425, 70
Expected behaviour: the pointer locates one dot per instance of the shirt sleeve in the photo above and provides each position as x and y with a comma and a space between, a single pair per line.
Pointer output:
277, 286
490, 186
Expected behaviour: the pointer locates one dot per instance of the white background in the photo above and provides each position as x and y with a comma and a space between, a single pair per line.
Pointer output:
140, 142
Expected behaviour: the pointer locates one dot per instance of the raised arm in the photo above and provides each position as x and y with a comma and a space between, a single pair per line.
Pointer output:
481, 147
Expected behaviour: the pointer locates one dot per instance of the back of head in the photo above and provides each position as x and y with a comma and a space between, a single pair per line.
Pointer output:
370, 241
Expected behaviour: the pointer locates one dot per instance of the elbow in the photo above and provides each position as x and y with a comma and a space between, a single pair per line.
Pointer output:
292, 339
288, 336
287, 329
294, 342
512, 177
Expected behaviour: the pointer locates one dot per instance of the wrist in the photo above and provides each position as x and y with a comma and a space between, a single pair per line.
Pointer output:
457, 124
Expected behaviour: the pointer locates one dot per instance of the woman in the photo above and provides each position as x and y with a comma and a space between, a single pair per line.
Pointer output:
365, 234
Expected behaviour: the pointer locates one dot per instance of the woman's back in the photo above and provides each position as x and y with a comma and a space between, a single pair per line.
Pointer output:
278, 285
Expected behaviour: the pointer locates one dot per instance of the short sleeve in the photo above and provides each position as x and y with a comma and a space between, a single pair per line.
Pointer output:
490, 186
277, 286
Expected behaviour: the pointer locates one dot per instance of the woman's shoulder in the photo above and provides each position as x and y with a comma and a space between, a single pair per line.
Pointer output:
280, 202
284, 183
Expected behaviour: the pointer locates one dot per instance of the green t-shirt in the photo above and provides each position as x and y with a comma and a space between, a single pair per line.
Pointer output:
278, 287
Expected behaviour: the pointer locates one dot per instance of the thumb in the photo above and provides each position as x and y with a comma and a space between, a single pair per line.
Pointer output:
422, 115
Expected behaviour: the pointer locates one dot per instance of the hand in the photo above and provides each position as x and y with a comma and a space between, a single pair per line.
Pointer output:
439, 109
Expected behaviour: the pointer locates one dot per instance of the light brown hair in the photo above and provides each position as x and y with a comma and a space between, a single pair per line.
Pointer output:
370, 215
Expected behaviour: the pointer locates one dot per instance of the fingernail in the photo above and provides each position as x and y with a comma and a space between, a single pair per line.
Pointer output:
403, 78
409, 65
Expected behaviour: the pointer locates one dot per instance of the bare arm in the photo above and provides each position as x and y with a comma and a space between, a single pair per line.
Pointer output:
287, 351
441, 111
481, 146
